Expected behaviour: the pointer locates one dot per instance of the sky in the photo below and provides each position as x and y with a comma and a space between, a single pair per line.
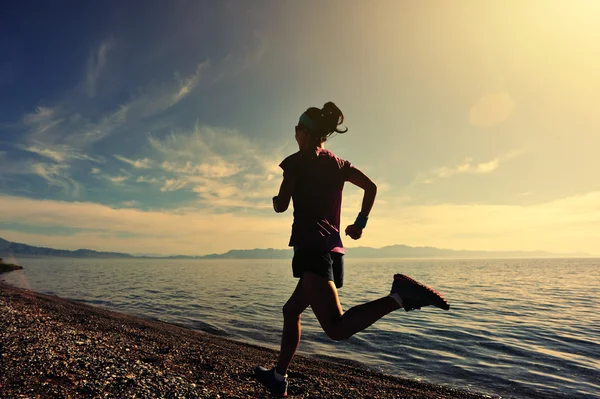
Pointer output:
157, 127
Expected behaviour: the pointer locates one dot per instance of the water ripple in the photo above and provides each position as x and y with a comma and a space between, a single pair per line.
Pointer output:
517, 328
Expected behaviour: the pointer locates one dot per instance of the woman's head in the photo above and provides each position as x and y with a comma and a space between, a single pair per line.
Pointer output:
317, 125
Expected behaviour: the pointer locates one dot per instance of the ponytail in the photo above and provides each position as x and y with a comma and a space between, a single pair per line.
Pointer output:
332, 118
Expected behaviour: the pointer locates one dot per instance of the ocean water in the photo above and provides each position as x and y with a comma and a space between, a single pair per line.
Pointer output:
517, 328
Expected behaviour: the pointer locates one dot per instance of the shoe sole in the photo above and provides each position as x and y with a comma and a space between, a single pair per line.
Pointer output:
423, 293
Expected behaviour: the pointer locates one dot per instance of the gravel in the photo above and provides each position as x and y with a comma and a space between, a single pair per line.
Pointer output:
56, 348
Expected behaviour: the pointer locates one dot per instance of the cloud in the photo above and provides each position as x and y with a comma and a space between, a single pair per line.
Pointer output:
146, 179
96, 63
69, 130
173, 185
491, 109
59, 153
224, 168
158, 98
42, 120
47, 152
215, 168
117, 179
68, 122
56, 166
144, 163
55, 175
41, 114
65, 132
563, 225
79, 128
184, 231
468, 166
186, 85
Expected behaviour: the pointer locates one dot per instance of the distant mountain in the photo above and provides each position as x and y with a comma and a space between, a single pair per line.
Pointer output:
392, 251
404, 251
8, 248
269, 253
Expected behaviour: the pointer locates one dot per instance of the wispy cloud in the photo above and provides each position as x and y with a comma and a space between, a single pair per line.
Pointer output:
224, 168
187, 84
144, 163
173, 184
55, 175
468, 166
565, 224
147, 179
59, 153
39, 115
71, 125
60, 136
215, 168
96, 63
41, 121
53, 154
178, 232
117, 179
65, 133
158, 98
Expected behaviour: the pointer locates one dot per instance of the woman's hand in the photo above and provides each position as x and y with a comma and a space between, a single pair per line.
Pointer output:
354, 232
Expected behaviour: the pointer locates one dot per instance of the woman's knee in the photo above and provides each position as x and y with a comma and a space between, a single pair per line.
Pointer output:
289, 313
334, 332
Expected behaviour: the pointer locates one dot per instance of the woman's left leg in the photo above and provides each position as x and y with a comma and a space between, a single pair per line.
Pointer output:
323, 298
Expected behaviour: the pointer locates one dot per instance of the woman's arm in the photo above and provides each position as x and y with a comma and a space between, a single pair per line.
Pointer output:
282, 200
361, 180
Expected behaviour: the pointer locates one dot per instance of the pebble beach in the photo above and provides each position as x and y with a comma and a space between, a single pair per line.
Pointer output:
56, 348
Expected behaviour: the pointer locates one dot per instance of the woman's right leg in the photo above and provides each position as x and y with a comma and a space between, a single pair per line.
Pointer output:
322, 296
290, 338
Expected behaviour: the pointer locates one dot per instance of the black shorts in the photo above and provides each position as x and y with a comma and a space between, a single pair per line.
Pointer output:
327, 264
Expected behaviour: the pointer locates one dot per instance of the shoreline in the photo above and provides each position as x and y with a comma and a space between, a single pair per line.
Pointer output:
55, 347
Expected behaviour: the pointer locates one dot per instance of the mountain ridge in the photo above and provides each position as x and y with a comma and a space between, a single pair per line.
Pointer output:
8, 248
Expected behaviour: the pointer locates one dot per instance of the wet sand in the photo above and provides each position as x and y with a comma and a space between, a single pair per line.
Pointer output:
56, 348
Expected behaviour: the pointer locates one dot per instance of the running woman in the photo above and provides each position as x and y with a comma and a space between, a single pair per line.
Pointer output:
314, 179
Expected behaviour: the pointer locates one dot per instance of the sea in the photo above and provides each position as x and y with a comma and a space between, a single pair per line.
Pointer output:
517, 328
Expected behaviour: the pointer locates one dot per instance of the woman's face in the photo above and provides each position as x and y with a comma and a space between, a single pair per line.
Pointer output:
304, 139
300, 136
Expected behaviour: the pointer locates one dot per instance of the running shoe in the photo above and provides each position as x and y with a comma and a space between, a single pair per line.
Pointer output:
416, 295
267, 378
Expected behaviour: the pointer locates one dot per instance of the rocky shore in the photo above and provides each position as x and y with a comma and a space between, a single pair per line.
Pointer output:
8, 267
56, 348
